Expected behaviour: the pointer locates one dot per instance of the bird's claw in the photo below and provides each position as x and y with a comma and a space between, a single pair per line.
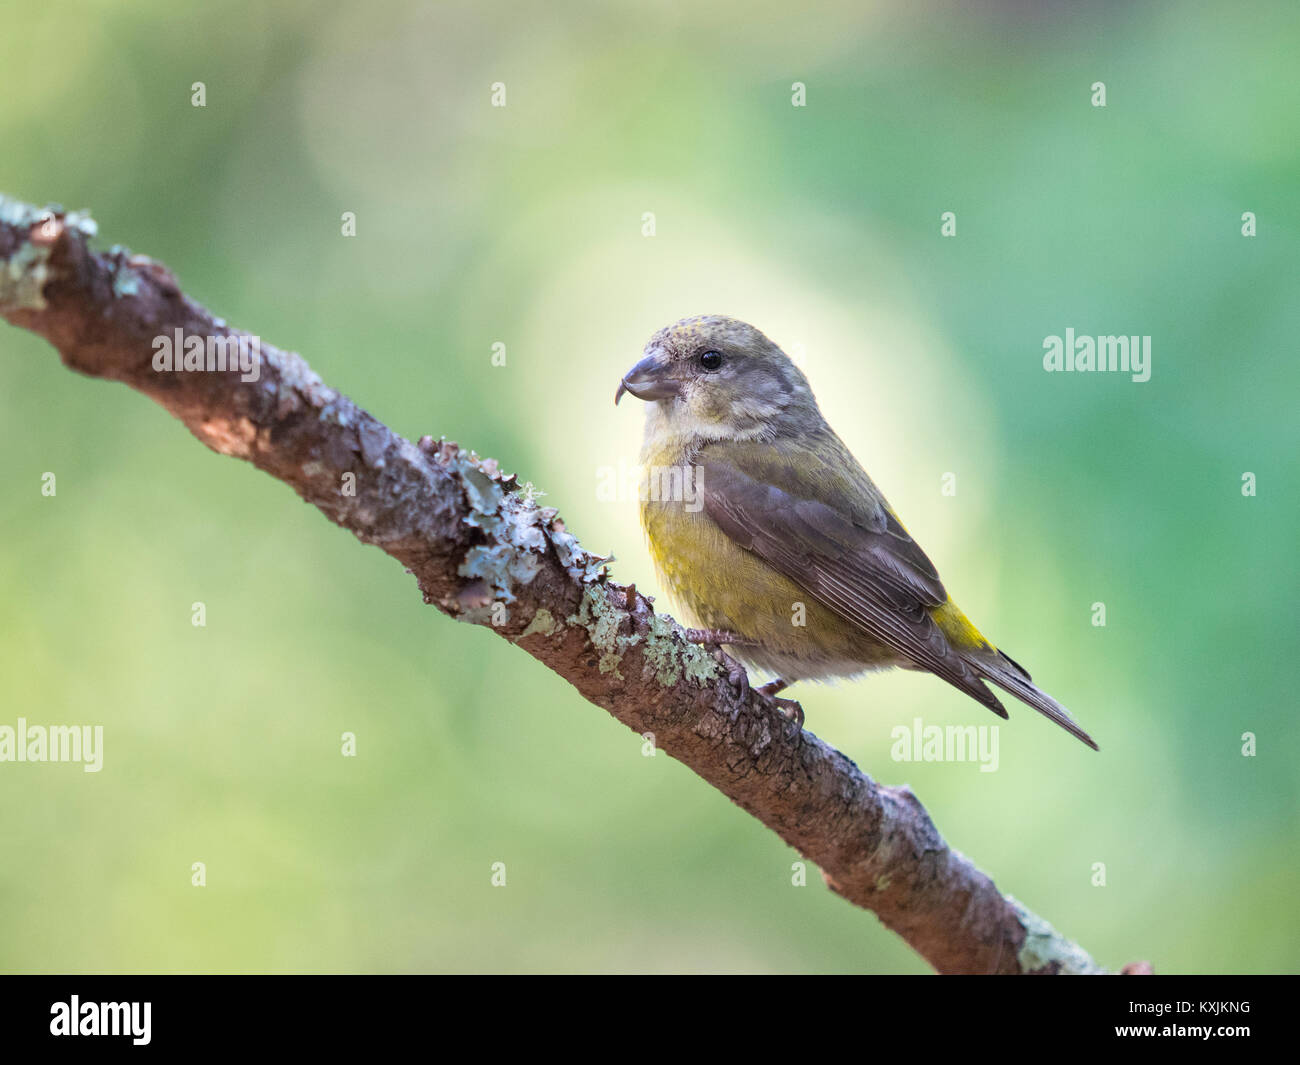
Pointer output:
715, 638
792, 711
788, 707
739, 679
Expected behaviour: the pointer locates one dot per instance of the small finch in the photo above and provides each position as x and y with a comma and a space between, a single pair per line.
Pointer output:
771, 522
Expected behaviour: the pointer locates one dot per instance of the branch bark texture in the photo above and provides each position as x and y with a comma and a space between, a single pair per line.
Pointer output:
483, 551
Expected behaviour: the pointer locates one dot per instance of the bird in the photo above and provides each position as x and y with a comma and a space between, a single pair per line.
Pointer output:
775, 542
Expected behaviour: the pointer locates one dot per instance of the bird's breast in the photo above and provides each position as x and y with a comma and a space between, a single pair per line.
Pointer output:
716, 584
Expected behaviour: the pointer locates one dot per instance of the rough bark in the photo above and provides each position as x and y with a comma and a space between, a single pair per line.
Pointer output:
481, 550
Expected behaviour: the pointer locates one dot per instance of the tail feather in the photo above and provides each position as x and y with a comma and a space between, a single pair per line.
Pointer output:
1008, 675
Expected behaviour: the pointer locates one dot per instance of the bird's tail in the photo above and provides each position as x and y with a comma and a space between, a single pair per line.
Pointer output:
1010, 676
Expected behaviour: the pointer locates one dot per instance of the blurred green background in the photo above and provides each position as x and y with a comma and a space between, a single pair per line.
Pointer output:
524, 225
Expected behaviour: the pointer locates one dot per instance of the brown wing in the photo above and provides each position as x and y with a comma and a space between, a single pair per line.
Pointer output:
866, 568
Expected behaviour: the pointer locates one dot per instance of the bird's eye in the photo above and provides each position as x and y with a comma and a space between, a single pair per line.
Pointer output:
711, 360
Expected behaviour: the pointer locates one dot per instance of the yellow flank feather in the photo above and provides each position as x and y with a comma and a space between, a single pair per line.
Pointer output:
958, 628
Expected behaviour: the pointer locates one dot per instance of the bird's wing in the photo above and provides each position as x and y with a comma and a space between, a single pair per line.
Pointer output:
853, 557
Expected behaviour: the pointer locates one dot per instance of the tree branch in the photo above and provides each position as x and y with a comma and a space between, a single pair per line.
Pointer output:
483, 551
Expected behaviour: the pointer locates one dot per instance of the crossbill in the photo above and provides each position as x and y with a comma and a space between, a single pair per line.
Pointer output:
775, 513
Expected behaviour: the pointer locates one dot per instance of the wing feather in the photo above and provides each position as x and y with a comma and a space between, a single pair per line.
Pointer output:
864, 567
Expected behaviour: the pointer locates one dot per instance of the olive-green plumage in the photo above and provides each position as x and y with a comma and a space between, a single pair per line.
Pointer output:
774, 533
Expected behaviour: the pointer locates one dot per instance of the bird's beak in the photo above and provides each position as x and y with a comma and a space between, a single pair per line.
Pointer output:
648, 380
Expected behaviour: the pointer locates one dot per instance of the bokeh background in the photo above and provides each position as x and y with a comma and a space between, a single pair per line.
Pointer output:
524, 225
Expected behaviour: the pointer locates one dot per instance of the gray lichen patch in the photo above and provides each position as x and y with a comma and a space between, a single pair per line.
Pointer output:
125, 283
25, 215
82, 223
543, 623
17, 213
1046, 949
518, 530
580, 563
502, 567
602, 620
517, 536
23, 278
484, 495
26, 270
698, 665
514, 525
126, 275
668, 661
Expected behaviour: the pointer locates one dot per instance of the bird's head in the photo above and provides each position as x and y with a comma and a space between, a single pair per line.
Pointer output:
717, 378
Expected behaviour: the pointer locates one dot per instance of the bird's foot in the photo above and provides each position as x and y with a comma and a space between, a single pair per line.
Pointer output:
716, 637
789, 707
